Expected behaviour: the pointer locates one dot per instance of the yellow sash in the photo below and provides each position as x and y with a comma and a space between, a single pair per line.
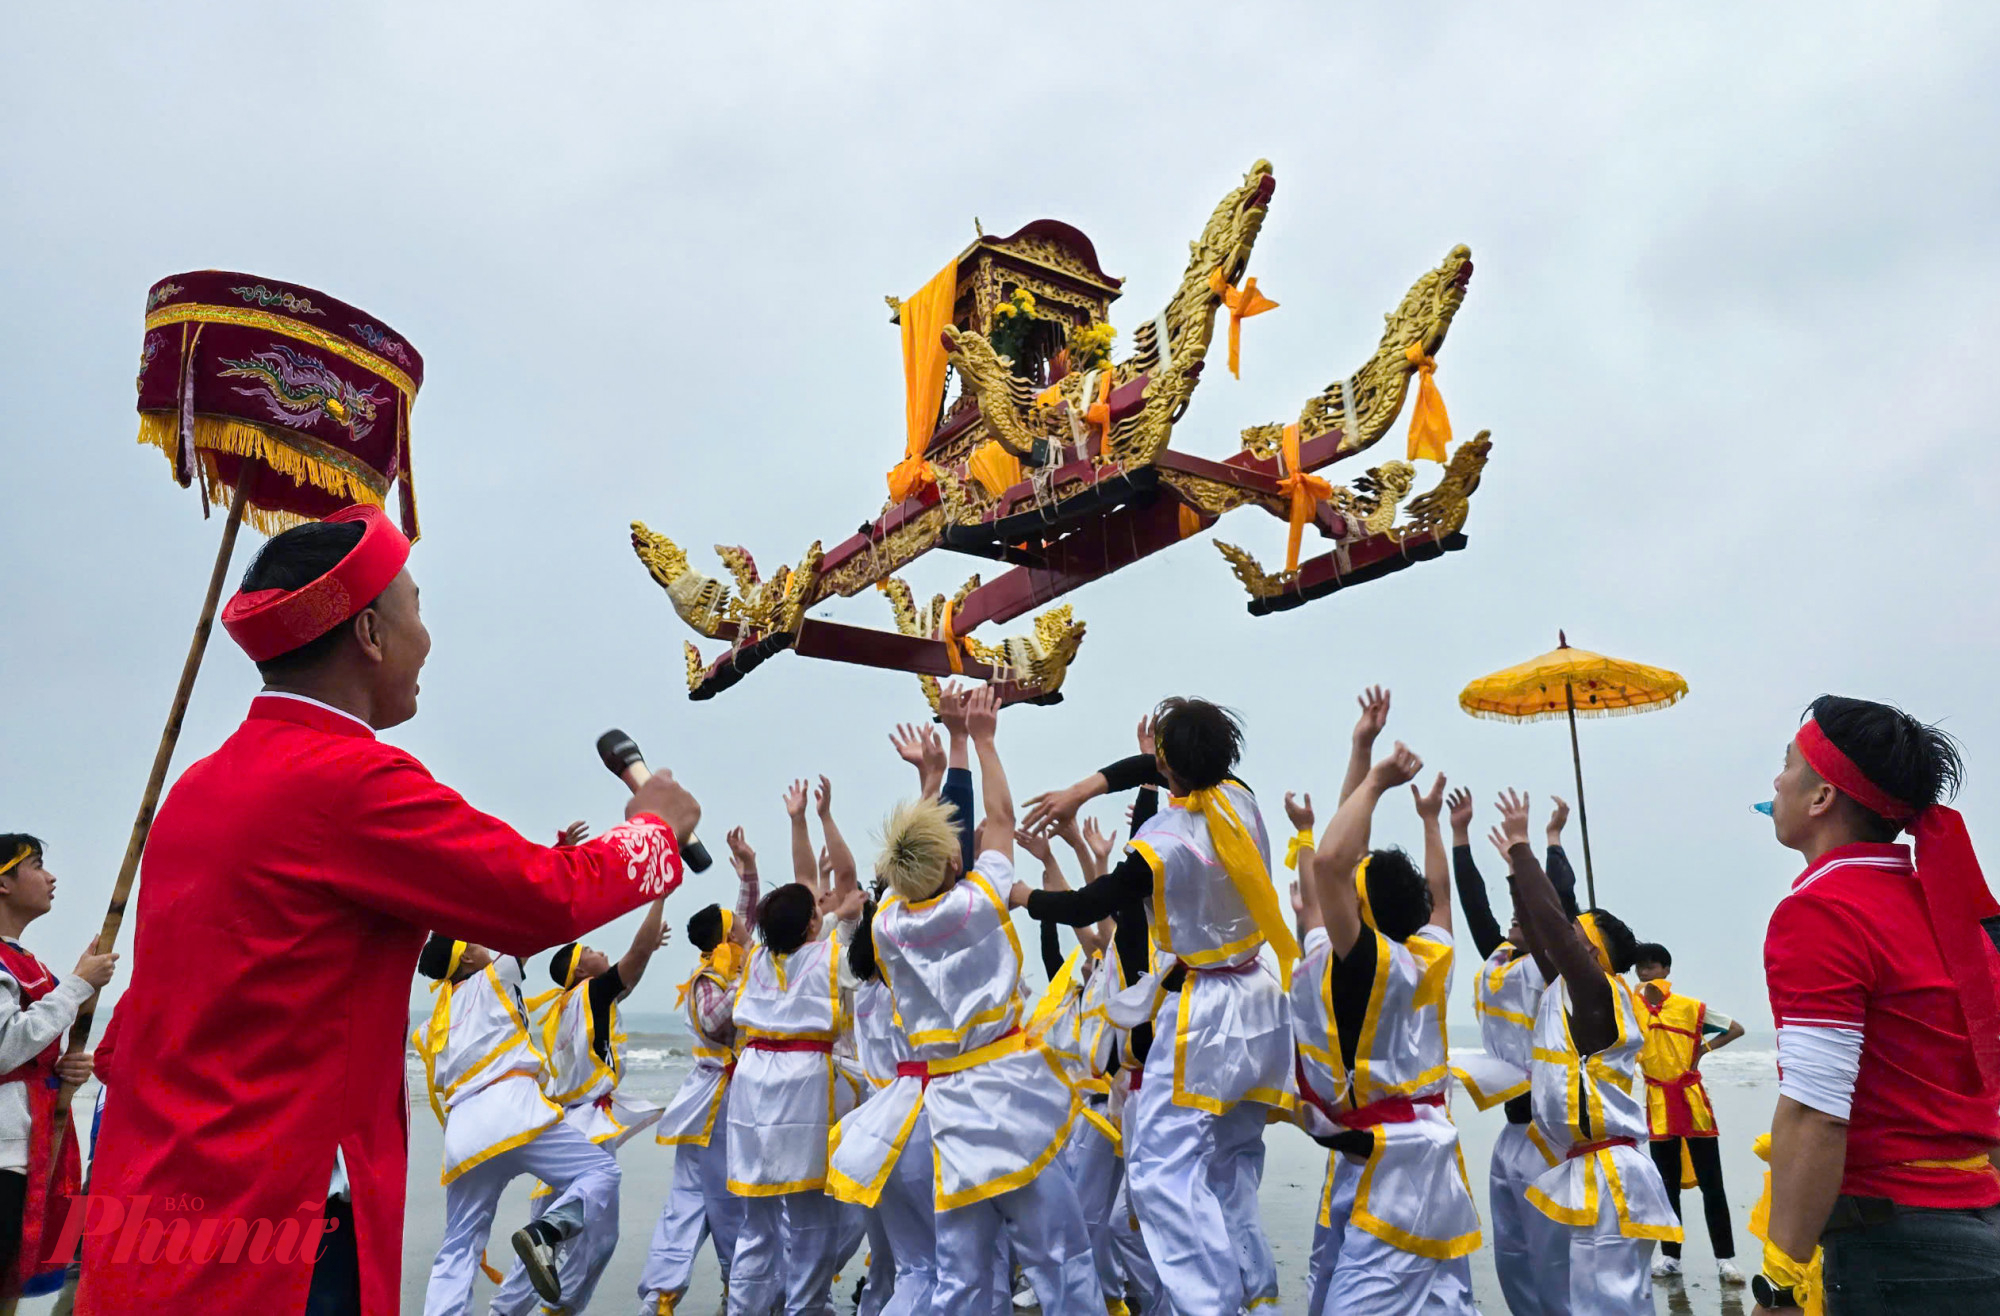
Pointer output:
1237, 852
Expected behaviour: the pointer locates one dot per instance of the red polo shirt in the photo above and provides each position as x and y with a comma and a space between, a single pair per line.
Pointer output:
1851, 948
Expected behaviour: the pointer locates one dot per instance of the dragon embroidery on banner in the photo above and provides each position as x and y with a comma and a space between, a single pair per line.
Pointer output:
1058, 462
299, 389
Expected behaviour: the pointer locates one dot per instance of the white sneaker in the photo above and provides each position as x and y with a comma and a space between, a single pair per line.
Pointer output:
1667, 1267
1024, 1299
1727, 1272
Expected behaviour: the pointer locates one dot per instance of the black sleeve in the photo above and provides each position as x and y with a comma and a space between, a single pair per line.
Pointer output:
1131, 880
1139, 770
1052, 956
1563, 878
605, 988
1472, 902
1128, 934
957, 792
1146, 806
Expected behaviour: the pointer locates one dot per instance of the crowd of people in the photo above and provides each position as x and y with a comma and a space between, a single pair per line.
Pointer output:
873, 1070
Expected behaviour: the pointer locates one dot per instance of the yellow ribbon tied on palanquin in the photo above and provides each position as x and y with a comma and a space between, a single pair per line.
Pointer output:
725, 958
1243, 303
1305, 489
1430, 427
996, 469
1237, 852
952, 652
1098, 413
923, 319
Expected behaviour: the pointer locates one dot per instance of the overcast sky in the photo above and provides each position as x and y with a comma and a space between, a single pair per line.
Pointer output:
1730, 328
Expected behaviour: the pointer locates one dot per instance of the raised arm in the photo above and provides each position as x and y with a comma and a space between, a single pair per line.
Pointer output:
744, 860
649, 938
1437, 865
1305, 892
1346, 841
1142, 769
982, 720
920, 748
1374, 703
1480, 924
805, 867
1560, 873
845, 878
1555, 941
411, 847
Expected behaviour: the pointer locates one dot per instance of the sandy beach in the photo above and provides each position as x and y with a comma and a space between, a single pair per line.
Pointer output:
1741, 1080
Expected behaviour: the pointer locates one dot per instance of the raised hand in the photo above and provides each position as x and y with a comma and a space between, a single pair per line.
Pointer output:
1035, 843
1460, 804
1401, 765
909, 744
1052, 808
933, 764
1146, 742
1513, 806
1558, 816
741, 857
1300, 812
575, 834
982, 712
823, 796
666, 935
1430, 803
846, 907
1374, 702
1101, 842
951, 709
795, 799
1298, 903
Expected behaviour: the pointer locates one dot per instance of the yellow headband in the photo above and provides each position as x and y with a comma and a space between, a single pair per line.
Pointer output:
1588, 923
725, 957
569, 974
1361, 893
20, 856
451, 965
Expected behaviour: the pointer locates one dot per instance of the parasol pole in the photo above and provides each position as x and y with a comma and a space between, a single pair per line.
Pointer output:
1582, 814
79, 1033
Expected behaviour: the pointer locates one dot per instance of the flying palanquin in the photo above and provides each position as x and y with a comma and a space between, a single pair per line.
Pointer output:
1057, 461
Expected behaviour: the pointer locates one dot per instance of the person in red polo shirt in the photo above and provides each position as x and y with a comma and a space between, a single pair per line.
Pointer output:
1885, 986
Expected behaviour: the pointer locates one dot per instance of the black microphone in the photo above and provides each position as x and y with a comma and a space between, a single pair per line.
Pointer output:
621, 754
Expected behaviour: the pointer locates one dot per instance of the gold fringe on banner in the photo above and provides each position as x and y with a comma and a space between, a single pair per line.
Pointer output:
305, 461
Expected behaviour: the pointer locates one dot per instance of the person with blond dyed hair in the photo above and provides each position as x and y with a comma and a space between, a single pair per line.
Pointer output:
996, 1107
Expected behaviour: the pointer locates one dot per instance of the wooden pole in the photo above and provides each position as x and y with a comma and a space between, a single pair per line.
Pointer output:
1582, 814
128, 871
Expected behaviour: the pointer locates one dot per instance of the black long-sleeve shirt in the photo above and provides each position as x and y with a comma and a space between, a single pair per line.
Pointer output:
1480, 922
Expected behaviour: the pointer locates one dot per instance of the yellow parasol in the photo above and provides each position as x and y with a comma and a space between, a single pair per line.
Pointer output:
1573, 683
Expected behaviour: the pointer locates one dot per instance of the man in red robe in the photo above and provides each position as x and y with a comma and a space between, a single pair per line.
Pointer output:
291, 880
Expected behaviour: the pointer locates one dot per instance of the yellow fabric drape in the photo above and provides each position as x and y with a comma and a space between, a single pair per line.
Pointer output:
923, 318
1243, 303
996, 469
952, 651
1304, 489
1301, 842
1430, 427
1098, 413
1238, 855
725, 957
430, 1041
1052, 999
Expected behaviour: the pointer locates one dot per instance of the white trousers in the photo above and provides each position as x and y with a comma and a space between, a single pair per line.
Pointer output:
1609, 1274
1530, 1251
1193, 1179
786, 1251
1355, 1272
1094, 1170
1142, 1280
585, 1177
1043, 1225
903, 1235
699, 1205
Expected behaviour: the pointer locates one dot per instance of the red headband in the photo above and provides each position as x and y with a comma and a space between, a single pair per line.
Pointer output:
1839, 772
269, 622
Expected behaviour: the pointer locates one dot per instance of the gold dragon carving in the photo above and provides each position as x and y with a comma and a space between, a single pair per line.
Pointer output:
1038, 661
705, 603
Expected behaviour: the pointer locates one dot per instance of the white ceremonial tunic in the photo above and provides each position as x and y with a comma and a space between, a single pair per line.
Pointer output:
486, 1082
1000, 1108
585, 1086
1411, 1194
689, 1118
1530, 1251
782, 1101
1592, 1113
1231, 1030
